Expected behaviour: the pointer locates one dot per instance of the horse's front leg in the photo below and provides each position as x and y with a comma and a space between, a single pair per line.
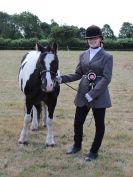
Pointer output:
34, 123
44, 114
50, 136
36, 109
23, 139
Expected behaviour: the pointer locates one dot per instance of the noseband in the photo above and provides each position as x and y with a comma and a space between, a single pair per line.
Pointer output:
45, 71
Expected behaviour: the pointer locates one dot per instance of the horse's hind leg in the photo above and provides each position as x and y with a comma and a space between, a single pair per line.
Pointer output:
23, 139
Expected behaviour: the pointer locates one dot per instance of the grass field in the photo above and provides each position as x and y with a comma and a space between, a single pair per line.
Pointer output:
116, 154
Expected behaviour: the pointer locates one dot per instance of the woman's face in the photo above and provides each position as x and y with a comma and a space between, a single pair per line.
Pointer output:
94, 42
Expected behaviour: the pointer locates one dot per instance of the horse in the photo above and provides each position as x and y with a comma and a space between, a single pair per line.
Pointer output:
37, 80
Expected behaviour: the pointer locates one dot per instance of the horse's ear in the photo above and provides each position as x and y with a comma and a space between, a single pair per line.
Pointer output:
54, 46
39, 47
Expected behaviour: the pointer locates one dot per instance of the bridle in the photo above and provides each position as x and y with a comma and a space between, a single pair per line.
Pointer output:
45, 71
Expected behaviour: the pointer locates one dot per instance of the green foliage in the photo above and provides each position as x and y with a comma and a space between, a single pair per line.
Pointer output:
126, 30
8, 29
82, 32
46, 29
108, 32
28, 24
119, 44
20, 43
63, 34
4, 43
76, 44
71, 44
22, 31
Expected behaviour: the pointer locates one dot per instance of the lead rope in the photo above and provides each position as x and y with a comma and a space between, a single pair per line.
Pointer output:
82, 94
73, 88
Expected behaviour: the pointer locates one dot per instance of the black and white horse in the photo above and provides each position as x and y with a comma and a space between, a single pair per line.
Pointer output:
37, 80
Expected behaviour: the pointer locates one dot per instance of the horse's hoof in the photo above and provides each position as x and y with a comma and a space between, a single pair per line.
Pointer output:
34, 129
49, 145
24, 143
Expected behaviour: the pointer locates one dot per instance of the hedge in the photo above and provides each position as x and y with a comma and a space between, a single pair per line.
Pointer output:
71, 44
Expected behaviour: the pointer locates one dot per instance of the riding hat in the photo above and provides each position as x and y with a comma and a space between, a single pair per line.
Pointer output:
93, 31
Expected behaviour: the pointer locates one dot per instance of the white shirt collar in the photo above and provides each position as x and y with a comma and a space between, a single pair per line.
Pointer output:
93, 52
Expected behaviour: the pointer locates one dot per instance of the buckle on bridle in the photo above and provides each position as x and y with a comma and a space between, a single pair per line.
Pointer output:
91, 76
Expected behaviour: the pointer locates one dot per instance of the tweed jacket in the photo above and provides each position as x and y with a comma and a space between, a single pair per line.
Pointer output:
101, 64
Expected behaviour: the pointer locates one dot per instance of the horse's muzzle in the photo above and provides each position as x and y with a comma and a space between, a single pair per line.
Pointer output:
47, 89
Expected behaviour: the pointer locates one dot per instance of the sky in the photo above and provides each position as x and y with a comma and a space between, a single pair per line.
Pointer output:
80, 13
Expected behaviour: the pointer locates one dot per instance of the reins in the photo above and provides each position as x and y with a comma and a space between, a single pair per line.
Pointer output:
73, 88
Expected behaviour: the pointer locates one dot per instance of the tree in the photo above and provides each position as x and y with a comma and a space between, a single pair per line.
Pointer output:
64, 33
28, 24
126, 31
108, 32
82, 32
53, 23
7, 28
4, 24
46, 29
4, 20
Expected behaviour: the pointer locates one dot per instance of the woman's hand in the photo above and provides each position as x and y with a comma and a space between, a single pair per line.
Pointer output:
88, 97
58, 79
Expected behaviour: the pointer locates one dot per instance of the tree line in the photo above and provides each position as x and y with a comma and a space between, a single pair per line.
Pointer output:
24, 26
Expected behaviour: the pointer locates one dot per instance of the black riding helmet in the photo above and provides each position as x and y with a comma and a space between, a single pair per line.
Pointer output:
93, 31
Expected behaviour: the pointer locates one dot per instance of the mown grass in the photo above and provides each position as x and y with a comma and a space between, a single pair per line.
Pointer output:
116, 154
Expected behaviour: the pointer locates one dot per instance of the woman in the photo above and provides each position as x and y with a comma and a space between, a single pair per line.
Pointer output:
95, 71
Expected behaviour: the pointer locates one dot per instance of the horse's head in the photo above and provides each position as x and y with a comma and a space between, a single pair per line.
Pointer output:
48, 62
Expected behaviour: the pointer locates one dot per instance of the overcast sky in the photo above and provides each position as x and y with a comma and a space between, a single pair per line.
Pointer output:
80, 13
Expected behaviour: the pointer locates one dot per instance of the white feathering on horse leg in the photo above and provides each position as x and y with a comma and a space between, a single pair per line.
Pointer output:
24, 133
50, 137
34, 124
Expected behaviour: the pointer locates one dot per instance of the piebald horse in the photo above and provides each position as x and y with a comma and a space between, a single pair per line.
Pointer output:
37, 80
